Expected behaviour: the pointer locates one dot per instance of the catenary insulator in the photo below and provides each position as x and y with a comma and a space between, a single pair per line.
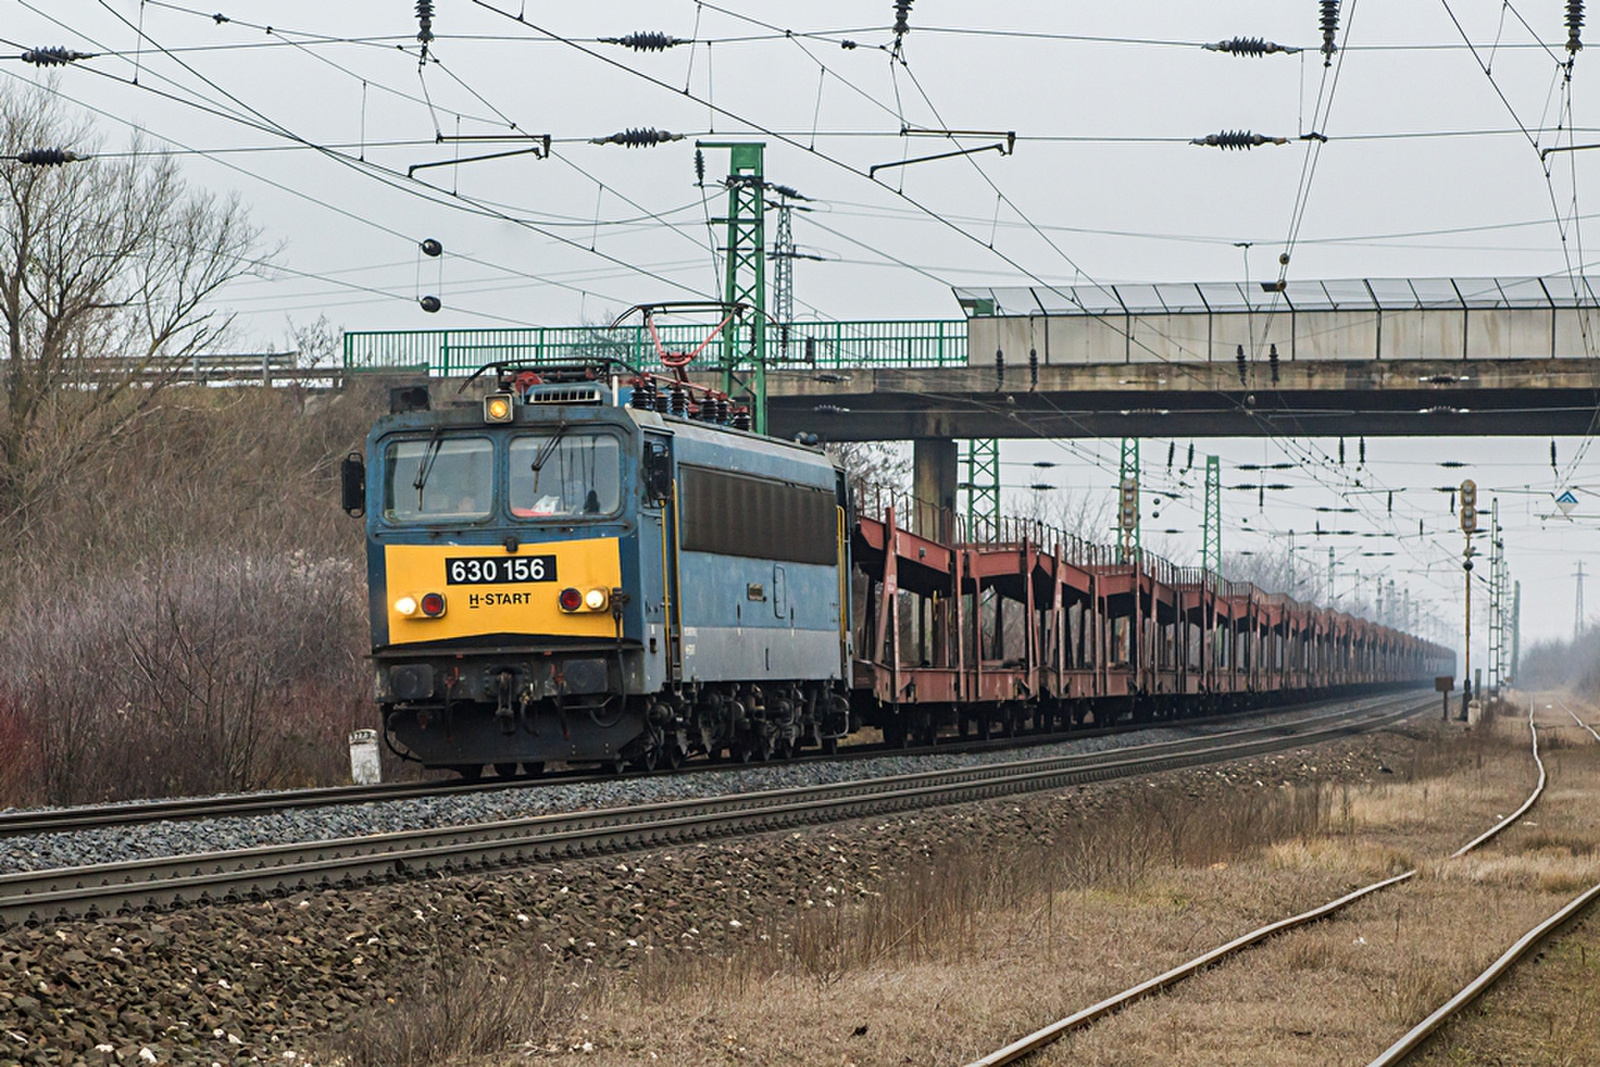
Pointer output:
425, 21
1229, 139
699, 167
1330, 30
640, 138
56, 57
645, 41
1248, 46
431, 247
47, 157
902, 18
430, 304
1574, 25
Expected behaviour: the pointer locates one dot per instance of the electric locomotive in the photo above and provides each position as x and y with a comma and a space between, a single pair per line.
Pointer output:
596, 566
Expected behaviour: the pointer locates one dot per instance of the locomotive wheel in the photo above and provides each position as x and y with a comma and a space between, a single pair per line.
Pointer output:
830, 746
533, 770
470, 772
506, 770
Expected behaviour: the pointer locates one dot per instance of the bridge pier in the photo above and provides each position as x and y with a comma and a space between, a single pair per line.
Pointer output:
933, 483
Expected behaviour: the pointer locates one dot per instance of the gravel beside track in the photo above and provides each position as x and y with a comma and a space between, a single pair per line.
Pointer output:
256, 980
180, 838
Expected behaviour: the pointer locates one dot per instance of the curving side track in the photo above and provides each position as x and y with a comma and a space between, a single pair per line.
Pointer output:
102, 889
1047, 1035
1418, 1035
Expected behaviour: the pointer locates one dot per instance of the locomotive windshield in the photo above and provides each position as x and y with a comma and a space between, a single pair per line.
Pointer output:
439, 479
565, 474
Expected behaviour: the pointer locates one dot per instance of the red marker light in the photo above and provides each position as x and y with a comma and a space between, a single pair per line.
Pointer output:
432, 605
570, 600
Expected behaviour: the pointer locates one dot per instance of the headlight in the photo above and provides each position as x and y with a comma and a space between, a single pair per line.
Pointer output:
594, 599
406, 605
497, 407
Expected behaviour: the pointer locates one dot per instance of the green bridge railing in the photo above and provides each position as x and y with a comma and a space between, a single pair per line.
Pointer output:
451, 353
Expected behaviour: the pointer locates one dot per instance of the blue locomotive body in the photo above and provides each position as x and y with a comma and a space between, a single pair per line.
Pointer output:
557, 575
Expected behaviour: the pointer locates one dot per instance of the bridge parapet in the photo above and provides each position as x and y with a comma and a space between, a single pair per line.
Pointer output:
1378, 318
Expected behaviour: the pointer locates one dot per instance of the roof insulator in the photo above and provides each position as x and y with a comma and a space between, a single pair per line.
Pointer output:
1330, 30
53, 57
47, 157
645, 41
640, 138
1229, 139
1249, 46
1574, 26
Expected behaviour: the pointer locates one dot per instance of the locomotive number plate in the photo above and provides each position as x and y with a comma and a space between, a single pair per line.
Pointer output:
499, 570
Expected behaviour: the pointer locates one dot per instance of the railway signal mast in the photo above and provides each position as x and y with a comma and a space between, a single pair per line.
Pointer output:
1469, 526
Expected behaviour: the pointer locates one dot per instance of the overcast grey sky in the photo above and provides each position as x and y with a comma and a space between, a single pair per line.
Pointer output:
1431, 168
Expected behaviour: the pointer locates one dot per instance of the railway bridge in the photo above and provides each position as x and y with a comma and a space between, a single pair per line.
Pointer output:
1377, 357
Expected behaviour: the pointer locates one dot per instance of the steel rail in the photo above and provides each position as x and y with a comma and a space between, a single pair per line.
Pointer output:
55, 820
1577, 720
1047, 1035
1420, 1033
40, 896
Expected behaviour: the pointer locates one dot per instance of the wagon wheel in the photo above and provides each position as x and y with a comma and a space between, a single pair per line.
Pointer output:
469, 772
506, 770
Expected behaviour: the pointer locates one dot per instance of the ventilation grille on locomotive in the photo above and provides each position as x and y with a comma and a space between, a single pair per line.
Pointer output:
577, 394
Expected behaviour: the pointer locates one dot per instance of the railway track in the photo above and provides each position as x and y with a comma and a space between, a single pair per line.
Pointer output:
1577, 720
85, 817
1039, 1039
32, 897
1418, 1035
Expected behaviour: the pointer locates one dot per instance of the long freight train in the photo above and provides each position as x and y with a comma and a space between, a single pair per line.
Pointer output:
594, 565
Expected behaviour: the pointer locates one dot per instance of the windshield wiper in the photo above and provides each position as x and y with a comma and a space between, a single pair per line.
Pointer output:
435, 443
548, 449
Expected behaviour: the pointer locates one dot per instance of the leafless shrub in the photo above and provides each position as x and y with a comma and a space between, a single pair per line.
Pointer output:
204, 674
191, 615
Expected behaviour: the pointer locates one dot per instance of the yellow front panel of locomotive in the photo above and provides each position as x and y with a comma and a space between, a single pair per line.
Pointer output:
496, 592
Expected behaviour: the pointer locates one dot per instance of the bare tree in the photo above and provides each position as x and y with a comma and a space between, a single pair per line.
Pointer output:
869, 464
108, 270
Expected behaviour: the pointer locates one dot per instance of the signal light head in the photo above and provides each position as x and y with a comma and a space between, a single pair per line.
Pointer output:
497, 407
433, 605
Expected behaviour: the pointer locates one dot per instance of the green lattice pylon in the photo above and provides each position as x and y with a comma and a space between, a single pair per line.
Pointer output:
983, 485
1129, 547
1211, 538
744, 349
